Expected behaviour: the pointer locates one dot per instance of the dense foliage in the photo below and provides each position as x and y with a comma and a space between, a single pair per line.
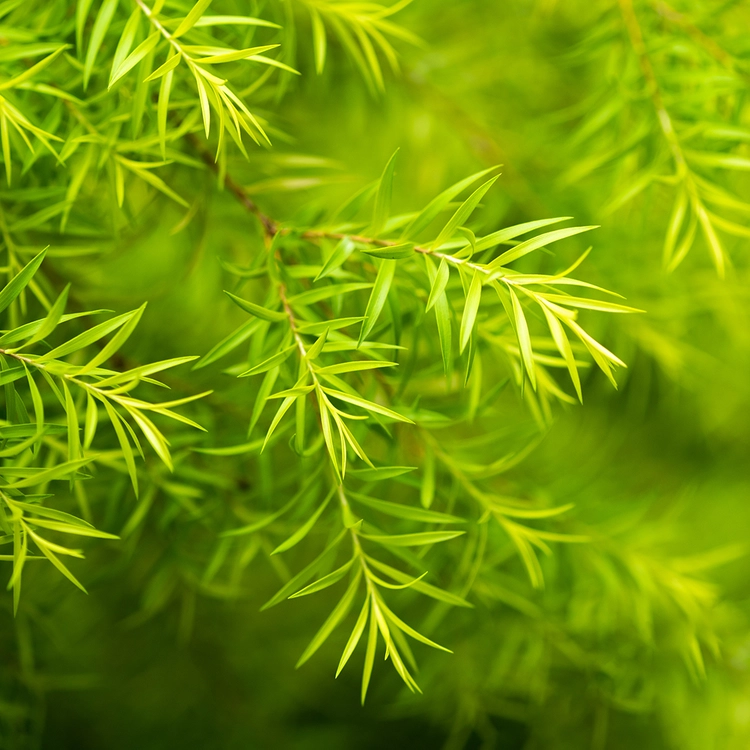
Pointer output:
296, 319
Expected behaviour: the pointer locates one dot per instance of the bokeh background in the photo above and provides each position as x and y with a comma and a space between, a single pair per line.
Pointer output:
658, 470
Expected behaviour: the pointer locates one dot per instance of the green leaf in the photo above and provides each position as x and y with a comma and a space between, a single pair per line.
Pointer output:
91, 421
372, 642
317, 348
5, 137
563, 346
349, 345
20, 550
36, 398
378, 297
510, 233
337, 258
21, 280
264, 393
54, 473
325, 426
383, 197
535, 243
253, 446
401, 625
305, 529
135, 57
273, 361
22, 431
172, 62
354, 638
11, 52
82, 12
310, 486
46, 549
471, 309
712, 239
28, 74
18, 448
126, 42
340, 611
87, 337
326, 292
443, 316
53, 513
427, 488
406, 511
381, 473
588, 304
143, 171
439, 299
391, 252
676, 221
127, 450
113, 346
141, 372
257, 310
413, 540
438, 282
162, 110
214, 57
602, 356
229, 343
152, 434
515, 512
305, 574
439, 204
74, 438
263, 60
424, 588
367, 405
11, 374
69, 528
203, 98
463, 213
191, 18
722, 161
325, 581
258, 525
30, 329
283, 409
101, 27
359, 365
524, 337
52, 320
234, 21
319, 40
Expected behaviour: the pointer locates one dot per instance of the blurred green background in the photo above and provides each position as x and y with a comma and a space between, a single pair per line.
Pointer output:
658, 470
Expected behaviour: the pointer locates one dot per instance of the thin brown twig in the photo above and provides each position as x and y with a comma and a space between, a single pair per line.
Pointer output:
271, 227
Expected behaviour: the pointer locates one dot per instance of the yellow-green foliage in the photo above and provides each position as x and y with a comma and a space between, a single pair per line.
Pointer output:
421, 325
